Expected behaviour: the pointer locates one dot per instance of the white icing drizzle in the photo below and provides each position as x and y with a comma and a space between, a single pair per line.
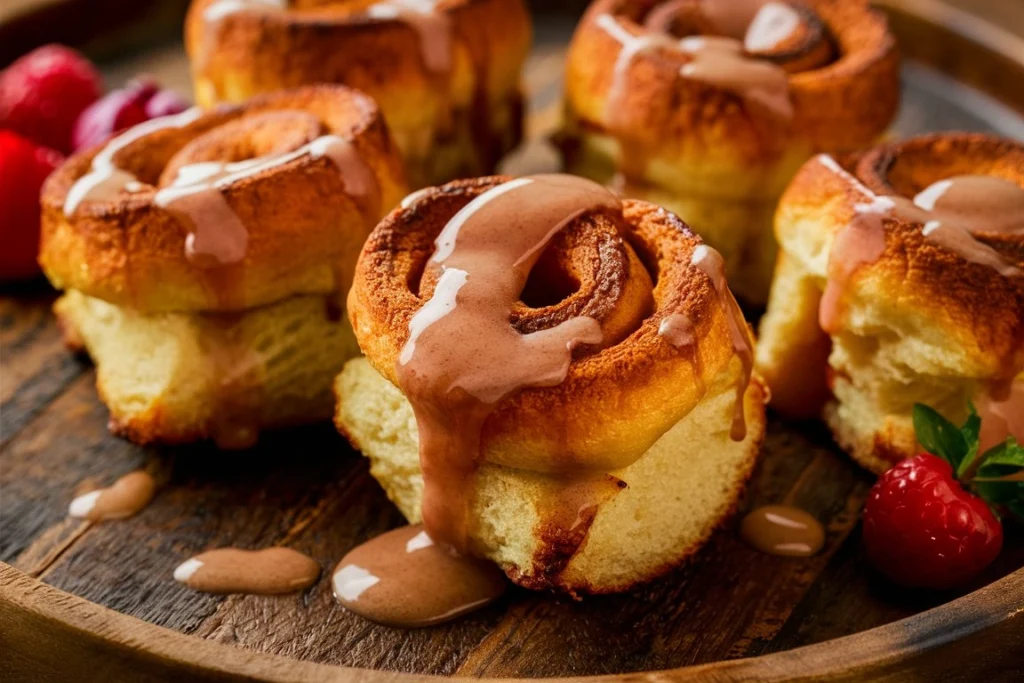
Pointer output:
773, 24
718, 61
222, 8
104, 179
218, 234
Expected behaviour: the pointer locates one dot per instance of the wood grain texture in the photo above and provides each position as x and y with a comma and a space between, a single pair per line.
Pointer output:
97, 602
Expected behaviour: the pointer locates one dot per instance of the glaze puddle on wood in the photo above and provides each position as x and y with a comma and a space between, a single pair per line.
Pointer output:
783, 530
125, 497
401, 578
270, 571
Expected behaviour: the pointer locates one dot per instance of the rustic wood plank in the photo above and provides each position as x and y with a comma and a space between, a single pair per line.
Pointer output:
316, 629
67, 446
976, 638
849, 597
208, 499
35, 366
305, 489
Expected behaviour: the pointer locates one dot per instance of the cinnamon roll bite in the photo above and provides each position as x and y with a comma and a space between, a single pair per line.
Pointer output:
708, 107
205, 259
901, 281
555, 379
446, 73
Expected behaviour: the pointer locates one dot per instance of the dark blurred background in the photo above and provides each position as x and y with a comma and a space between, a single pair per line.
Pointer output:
105, 29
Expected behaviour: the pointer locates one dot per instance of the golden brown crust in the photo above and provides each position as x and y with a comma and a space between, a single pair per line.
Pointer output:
921, 323
843, 104
302, 225
980, 310
615, 401
262, 49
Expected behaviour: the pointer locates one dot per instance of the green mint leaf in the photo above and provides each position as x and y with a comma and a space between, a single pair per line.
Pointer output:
971, 430
1007, 453
939, 436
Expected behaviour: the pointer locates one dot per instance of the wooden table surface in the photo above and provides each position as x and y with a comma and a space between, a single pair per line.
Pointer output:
305, 488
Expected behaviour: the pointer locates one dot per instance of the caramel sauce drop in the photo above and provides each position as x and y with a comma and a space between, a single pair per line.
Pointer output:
271, 571
125, 497
783, 530
402, 579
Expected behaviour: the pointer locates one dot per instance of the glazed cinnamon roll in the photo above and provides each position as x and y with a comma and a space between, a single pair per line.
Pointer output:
708, 107
446, 73
205, 257
901, 281
555, 379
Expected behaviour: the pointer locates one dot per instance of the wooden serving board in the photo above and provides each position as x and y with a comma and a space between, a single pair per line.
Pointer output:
82, 601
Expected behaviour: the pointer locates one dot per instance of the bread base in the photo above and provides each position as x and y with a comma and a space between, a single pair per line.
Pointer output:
168, 377
878, 368
678, 492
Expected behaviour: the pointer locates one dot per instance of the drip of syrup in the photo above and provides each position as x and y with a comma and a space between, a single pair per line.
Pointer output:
462, 355
711, 263
719, 61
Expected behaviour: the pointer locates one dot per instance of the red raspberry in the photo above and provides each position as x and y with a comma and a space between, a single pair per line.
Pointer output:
23, 168
115, 111
923, 529
42, 94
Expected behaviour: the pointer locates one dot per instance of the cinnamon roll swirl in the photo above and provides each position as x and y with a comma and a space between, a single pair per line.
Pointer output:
205, 257
901, 280
446, 73
555, 379
708, 107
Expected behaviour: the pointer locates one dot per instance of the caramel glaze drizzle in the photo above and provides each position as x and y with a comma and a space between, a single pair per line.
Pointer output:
711, 263
735, 59
124, 498
950, 212
218, 236
485, 254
